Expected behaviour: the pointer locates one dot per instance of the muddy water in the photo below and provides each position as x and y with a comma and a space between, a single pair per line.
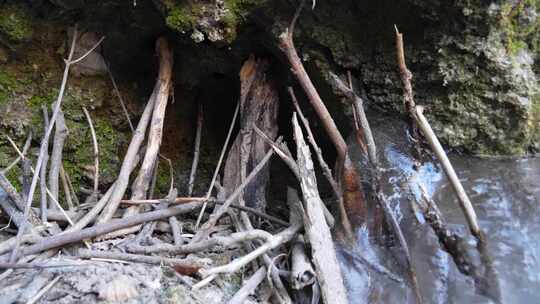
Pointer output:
506, 197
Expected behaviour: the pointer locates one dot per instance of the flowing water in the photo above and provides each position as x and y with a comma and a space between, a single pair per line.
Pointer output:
505, 195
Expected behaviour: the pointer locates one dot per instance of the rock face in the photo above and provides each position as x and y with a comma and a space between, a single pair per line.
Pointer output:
476, 64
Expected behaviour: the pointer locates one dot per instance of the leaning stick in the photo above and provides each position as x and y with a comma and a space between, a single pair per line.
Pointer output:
43, 171
45, 142
57, 204
65, 187
353, 196
212, 221
221, 156
317, 231
249, 287
345, 222
127, 166
358, 105
96, 152
60, 135
381, 198
282, 151
464, 202
287, 46
162, 89
19, 157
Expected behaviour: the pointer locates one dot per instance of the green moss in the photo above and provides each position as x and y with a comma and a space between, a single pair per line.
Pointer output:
516, 34
183, 17
15, 24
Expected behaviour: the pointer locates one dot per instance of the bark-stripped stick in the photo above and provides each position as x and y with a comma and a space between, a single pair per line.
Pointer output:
96, 152
464, 202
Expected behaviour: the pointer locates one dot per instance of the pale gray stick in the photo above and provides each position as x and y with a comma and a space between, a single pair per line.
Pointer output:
249, 286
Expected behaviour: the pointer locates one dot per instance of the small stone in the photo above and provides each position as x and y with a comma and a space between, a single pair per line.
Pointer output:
120, 289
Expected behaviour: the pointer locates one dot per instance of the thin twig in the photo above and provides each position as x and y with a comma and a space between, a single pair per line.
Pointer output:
19, 157
205, 229
196, 151
45, 141
221, 156
122, 104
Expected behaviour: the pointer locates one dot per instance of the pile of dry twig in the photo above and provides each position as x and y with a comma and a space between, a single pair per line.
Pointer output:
296, 255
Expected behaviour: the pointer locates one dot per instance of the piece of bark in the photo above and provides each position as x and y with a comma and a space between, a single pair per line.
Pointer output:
259, 105
317, 232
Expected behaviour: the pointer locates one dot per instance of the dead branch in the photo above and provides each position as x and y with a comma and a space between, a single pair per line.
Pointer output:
101, 229
215, 241
282, 151
43, 171
127, 165
317, 232
43, 291
287, 46
155, 260
249, 286
358, 105
161, 96
122, 104
406, 77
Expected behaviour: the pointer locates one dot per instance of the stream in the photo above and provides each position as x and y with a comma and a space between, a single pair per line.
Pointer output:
505, 195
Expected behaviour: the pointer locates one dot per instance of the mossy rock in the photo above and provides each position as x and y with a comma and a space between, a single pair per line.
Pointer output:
15, 24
